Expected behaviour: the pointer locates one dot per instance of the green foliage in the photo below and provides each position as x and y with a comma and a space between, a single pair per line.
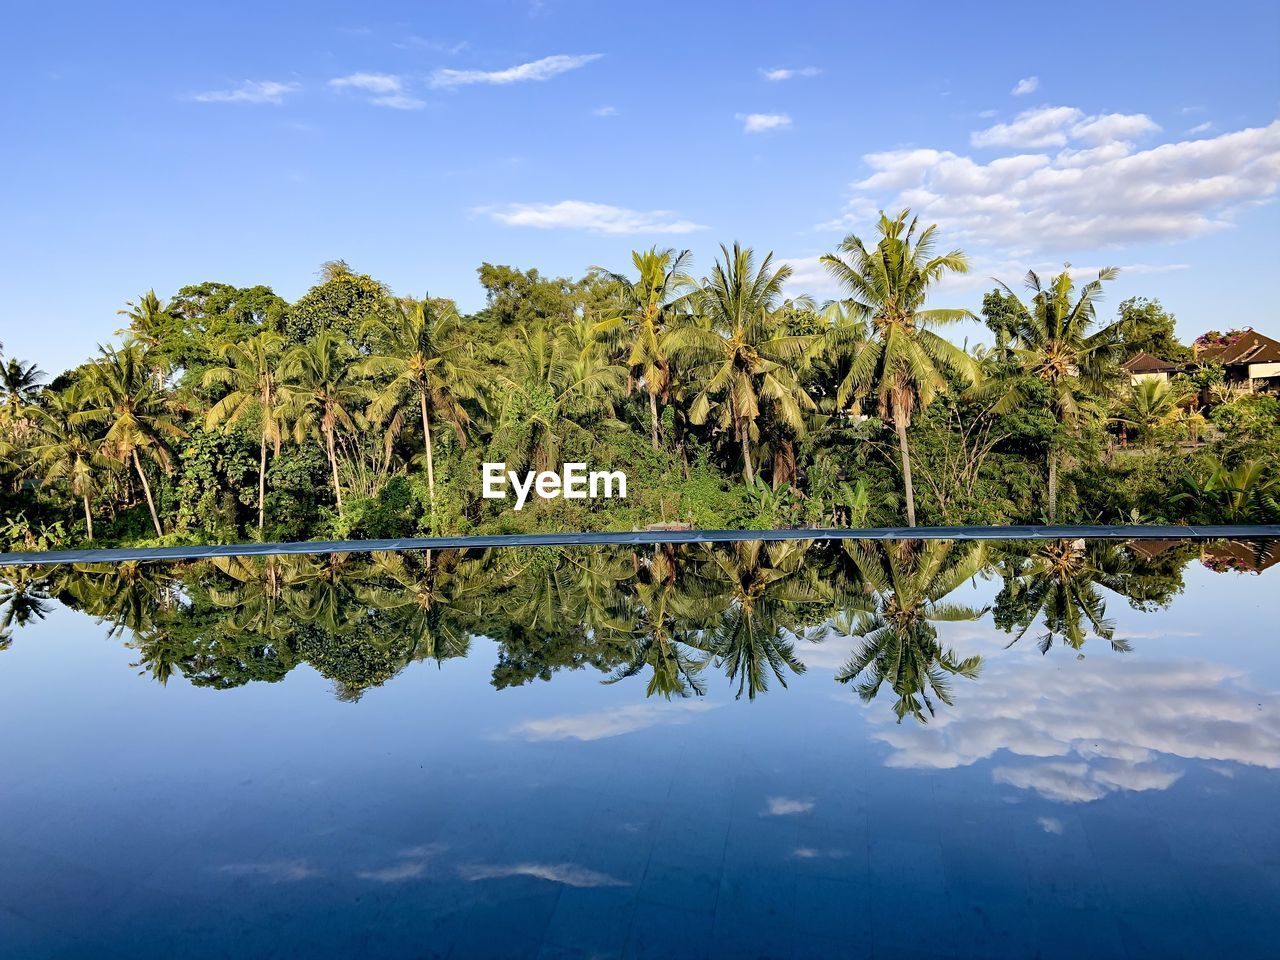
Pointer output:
213, 483
229, 414
1148, 328
340, 304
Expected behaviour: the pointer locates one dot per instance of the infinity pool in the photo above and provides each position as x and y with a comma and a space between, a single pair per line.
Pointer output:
1052, 749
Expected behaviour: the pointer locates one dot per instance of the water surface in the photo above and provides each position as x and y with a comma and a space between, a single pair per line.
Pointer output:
788, 750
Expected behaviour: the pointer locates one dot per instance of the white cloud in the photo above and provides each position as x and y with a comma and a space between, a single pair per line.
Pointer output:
543, 69
250, 91
592, 217
435, 46
607, 111
1055, 126
569, 874
385, 89
788, 806
776, 74
1023, 204
1025, 85
808, 275
609, 723
763, 122
368, 82
1201, 127
1099, 726
1111, 127
1037, 127
1050, 825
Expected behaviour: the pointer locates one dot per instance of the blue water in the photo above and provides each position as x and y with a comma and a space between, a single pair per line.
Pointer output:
1076, 803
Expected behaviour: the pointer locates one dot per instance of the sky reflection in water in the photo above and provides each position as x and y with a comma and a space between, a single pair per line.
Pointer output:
981, 750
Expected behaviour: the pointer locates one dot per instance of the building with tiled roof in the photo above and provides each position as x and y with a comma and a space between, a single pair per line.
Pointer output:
1144, 366
1247, 358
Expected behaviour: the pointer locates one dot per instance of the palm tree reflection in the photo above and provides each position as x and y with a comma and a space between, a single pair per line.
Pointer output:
670, 613
908, 583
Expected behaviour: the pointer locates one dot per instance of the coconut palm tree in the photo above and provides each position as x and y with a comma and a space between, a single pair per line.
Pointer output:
1056, 343
121, 394
19, 387
322, 391
148, 319
642, 313
431, 366
903, 362
1148, 404
742, 357
910, 581
66, 448
550, 381
249, 371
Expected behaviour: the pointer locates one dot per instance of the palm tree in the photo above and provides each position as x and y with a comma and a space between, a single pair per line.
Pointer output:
133, 405
19, 386
428, 360
250, 372
903, 361
1056, 345
1149, 404
322, 390
550, 382
643, 312
900, 645
64, 449
148, 318
743, 356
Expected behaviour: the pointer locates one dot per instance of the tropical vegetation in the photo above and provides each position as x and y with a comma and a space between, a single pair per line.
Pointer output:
731, 400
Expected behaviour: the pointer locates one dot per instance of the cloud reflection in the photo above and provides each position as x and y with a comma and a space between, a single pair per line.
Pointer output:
569, 874
609, 723
1096, 727
788, 806
276, 871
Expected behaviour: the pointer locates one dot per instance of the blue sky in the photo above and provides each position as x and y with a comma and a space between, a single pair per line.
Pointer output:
165, 144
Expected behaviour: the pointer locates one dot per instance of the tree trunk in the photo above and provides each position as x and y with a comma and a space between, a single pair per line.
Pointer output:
88, 516
1053, 484
653, 418
333, 466
900, 425
426, 438
262, 484
744, 438
146, 488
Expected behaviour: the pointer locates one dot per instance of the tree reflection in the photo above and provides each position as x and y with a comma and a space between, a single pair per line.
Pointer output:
1059, 583
767, 593
909, 582
671, 614
662, 621
24, 596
